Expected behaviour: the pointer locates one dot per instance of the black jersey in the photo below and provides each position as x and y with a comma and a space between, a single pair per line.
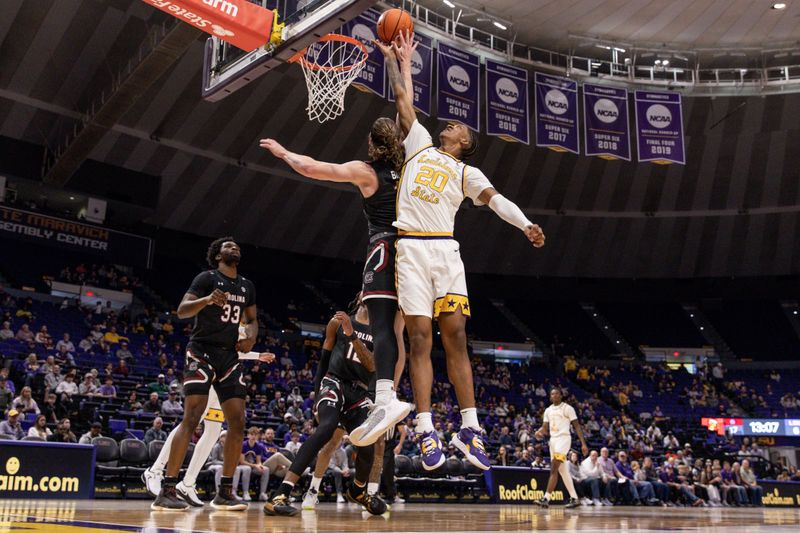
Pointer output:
344, 362
215, 325
381, 208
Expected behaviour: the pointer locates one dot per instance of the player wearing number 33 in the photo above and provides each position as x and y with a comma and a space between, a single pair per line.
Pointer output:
430, 275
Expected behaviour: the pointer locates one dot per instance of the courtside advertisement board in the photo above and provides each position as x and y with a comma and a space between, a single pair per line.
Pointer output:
30, 469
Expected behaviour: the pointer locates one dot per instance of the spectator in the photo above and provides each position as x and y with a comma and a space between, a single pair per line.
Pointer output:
111, 336
273, 459
172, 406
67, 388
65, 343
525, 459
339, 468
24, 403
132, 403
159, 386
25, 334
88, 387
671, 442
96, 333
123, 353
52, 411
749, 481
43, 336
86, 344
653, 433
155, 432
6, 396
39, 428
670, 478
252, 453
610, 476
48, 365
709, 480
640, 491
94, 431
63, 432
32, 368
294, 444
590, 477
108, 390
122, 368
502, 458
6, 332
650, 474
11, 426
153, 404
9, 383
216, 459
718, 372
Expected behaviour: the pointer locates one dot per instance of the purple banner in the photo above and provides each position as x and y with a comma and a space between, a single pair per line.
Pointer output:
556, 113
605, 118
372, 77
507, 110
458, 86
659, 127
421, 74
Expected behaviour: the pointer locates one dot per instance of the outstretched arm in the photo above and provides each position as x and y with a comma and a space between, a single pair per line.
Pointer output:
403, 97
511, 213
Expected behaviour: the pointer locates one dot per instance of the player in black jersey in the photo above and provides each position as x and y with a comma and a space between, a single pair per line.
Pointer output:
219, 300
344, 398
377, 182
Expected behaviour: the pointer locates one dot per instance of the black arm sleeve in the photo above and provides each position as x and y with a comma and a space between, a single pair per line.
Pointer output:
201, 285
322, 369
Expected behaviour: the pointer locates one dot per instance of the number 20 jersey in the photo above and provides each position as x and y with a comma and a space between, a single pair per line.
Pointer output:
219, 326
433, 185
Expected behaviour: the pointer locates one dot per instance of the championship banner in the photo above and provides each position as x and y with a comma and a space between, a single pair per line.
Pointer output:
507, 109
115, 246
780, 493
605, 118
516, 484
239, 22
372, 77
421, 74
30, 469
556, 113
659, 127
458, 86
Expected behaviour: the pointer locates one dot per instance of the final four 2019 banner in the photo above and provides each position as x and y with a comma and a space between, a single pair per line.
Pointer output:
605, 118
507, 102
458, 86
371, 78
659, 127
557, 113
421, 74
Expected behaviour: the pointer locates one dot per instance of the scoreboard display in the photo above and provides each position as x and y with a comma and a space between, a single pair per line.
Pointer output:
753, 427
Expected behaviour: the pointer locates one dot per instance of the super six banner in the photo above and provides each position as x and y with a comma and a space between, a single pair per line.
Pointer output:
507, 102
421, 74
659, 127
372, 77
556, 113
458, 86
605, 118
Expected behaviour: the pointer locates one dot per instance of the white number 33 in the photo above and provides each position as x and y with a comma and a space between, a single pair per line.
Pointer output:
231, 314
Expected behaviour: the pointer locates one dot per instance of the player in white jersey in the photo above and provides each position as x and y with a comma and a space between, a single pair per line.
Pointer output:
212, 422
430, 275
557, 420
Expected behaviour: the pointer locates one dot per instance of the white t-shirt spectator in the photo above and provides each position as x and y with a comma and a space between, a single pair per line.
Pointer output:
68, 344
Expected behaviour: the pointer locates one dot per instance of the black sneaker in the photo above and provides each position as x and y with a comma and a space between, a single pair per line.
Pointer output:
372, 503
167, 500
542, 502
226, 501
573, 502
279, 506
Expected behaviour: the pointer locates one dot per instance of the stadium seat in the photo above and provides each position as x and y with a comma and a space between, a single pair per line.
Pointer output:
154, 448
135, 434
108, 475
134, 457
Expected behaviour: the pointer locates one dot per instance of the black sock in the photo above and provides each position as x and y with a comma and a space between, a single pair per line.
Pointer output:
284, 490
355, 490
170, 482
226, 482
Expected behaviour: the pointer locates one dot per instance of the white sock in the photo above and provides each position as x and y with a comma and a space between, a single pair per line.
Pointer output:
424, 422
372, 488
547, 496
383, 391
315, 483
202, 450
567, 479
469, 418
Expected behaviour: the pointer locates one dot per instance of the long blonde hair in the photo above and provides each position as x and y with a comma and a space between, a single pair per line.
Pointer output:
386, 145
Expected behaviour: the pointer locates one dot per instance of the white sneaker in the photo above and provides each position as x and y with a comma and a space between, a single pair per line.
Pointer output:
188, 494
152, 482
586, 502
340, 498
597, 503
398, 499
379, 420
247, 497
263, 497
310, 500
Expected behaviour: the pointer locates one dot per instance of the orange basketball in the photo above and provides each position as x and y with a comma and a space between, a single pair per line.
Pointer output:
392, 23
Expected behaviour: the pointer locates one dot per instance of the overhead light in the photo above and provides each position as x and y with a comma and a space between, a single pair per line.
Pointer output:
603, 46
658, 62
622, 50
779, 5
449, 4
71, 197
500, 25
665, 62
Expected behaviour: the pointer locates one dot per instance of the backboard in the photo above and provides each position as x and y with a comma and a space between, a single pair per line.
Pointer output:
227, 69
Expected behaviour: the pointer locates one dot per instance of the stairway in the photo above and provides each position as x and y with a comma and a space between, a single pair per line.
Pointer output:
708, 331
610, 332
520, 326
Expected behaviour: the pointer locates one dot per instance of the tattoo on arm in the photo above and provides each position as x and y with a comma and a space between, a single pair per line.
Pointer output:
395, 78
364, 355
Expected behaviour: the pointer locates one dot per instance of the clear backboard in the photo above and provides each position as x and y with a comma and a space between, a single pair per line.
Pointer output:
227, 69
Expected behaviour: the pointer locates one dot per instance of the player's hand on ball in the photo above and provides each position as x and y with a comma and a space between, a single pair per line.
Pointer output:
404, 49
266, 357
273, 146
386, 49
217, 298
347, 325
535, 234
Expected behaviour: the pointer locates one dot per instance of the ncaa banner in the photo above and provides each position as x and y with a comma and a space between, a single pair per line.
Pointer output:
372, 77
605, 122
556, 113
507, 102
458, 86
659, 127
421, 74
239, 22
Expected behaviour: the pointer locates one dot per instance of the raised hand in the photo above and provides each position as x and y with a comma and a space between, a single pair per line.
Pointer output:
535, 234
404, 50
387, 50
273, 146
347, 325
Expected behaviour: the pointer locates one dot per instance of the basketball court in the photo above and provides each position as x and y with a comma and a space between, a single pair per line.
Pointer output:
88, 517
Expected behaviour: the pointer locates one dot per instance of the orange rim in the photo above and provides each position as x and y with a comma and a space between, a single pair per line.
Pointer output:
299, 57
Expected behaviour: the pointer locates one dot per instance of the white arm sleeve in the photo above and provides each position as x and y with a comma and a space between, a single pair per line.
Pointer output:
417, 139
249, 356
508, 211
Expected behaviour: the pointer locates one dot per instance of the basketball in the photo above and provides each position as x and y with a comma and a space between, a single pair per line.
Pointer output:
393, 22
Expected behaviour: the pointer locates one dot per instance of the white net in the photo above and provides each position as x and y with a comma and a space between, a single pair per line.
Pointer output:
330, 66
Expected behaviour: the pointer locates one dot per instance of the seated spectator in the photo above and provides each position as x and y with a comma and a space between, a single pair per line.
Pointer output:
6, 396
67, 388
671, 442
639, 491
610, 477
294, 444
525, 459
43, 336
709, 480
122, 368
112, 337
123, 353
216, 459
273, 459
252, 454
52, 411
88, 387
6, 332
132, 403
678, 485
97, 333
63, 432
11, 426
650, 474
172, 406
24, 403
590, 477
9, 382
39, 428
538, 460
749, 481
159, 386
339, 469
25, 334
86, 344
94, 431
168, 328
502, 458
65, 343
155, 432
108, 390
153, 404
32, 368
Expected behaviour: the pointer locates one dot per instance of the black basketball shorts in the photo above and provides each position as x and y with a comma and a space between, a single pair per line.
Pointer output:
379, 268
208, 366
351, 400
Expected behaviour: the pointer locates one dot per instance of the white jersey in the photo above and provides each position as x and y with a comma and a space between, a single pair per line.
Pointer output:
559, 417
432, 186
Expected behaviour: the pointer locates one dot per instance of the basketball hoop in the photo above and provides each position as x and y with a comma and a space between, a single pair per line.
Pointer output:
330, 65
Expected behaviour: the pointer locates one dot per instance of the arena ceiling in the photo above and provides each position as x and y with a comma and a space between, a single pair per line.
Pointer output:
734, 209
